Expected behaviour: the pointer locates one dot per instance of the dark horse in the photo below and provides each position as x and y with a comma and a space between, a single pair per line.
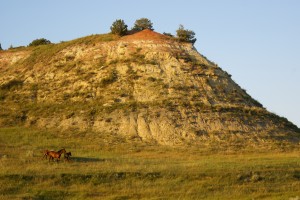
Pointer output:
67, 156
56, 155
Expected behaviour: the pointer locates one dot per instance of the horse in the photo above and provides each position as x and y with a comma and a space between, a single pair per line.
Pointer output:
67, 156
53, 154
45, 153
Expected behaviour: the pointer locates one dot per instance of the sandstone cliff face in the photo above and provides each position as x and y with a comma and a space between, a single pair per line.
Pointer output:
144, 86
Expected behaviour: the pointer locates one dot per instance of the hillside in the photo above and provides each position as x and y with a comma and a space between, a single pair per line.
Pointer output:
145, 86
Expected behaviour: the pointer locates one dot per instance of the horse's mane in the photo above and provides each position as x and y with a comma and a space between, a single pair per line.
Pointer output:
61, 150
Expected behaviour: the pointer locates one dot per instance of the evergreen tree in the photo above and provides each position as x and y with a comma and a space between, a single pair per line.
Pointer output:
142, 24
185, 35
0, 47
119, 27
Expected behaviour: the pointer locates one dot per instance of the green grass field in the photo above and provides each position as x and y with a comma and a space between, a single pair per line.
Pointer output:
104, 167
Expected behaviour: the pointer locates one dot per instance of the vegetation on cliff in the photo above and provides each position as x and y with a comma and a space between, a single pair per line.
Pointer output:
41, 41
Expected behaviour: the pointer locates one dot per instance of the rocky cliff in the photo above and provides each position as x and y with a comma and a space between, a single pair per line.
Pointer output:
144, 86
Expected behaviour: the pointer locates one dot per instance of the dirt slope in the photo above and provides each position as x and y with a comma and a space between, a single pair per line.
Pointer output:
144, 86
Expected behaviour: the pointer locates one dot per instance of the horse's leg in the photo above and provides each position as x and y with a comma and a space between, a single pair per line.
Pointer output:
45, 154
58, 158
50, 158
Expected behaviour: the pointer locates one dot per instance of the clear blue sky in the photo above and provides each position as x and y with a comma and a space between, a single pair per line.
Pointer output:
256, 41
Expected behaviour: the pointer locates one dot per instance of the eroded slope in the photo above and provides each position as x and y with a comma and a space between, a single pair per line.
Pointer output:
145, 86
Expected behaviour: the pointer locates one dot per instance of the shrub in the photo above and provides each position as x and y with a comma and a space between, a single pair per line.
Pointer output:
119, 27
152, 79
168, 34
41, 41
185, 35
142, 24
111, 78
2, 95
12, 84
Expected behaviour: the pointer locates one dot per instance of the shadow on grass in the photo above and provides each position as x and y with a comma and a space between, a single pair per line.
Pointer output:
86, 159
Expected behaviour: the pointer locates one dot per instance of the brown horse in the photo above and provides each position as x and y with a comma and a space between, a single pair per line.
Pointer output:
54, 154
45, 153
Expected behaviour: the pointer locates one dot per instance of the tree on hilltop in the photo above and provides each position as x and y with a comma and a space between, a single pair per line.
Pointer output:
141, 24
185, 35
119, 27
0, 47
168, 34
41, 41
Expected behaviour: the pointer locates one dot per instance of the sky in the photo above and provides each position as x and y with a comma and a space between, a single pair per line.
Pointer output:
257, 41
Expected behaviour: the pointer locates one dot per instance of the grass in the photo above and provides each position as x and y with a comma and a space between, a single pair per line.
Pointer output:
111, 78
106, 167
45, 53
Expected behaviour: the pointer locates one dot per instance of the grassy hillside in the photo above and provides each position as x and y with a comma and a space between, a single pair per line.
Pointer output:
104, 167
143, 85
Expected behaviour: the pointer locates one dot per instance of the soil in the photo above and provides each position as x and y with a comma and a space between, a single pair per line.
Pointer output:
146, 34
